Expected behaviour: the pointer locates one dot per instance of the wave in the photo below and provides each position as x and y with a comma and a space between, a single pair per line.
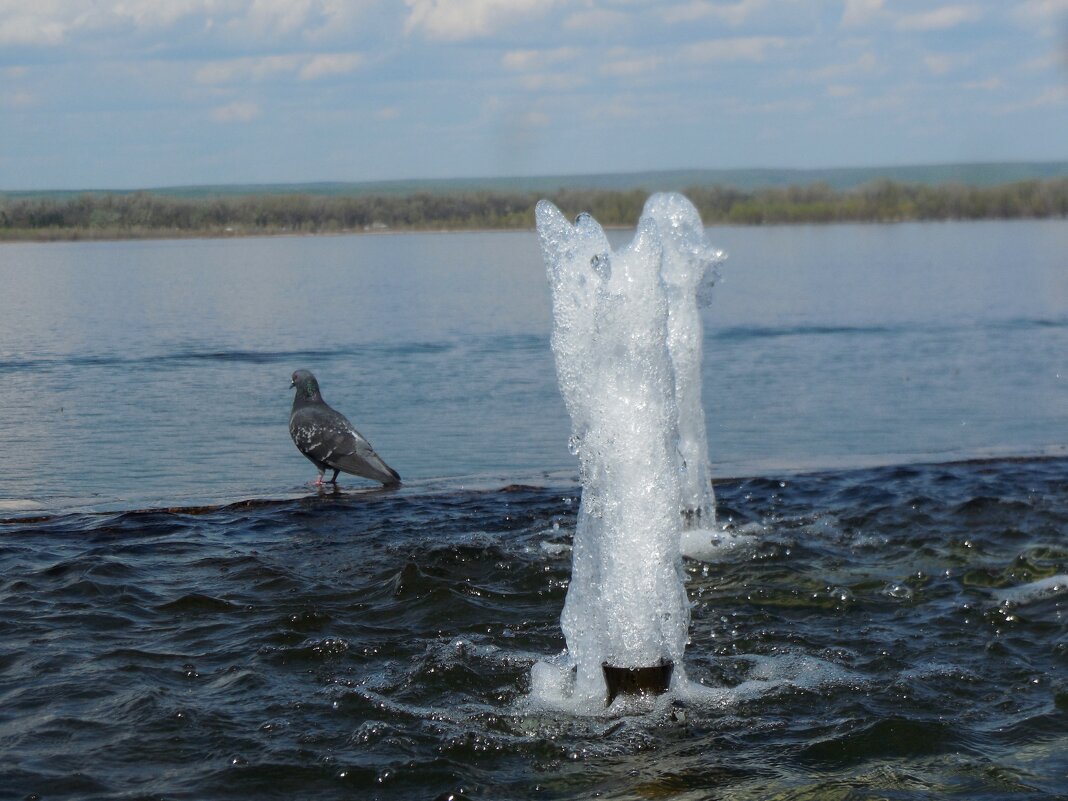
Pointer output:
233, 356
868, 482
746, 332
524, 342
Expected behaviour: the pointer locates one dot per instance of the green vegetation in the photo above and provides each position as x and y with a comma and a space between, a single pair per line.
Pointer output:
840, 178
152, 215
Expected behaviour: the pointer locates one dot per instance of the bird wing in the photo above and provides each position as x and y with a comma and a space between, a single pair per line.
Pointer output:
326, 437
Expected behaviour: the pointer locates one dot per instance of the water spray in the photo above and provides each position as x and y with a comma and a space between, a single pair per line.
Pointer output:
626, 341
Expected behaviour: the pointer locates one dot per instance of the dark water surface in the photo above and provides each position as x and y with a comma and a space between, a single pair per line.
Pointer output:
894, 633
183, 617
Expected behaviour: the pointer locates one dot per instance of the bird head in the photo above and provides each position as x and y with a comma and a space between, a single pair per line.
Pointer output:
306, 385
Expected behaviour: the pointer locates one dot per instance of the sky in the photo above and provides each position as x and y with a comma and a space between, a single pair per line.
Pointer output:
151, 93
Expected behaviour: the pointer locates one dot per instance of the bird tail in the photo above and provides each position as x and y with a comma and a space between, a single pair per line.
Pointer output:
368, 465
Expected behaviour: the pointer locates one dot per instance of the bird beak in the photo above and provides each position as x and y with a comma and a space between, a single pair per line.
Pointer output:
292, 384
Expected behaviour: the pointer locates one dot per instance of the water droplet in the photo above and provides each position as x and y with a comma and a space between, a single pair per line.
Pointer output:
842, 594
900, 592
601, 265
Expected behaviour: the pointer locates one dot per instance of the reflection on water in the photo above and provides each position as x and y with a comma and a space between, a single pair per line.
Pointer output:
156, 372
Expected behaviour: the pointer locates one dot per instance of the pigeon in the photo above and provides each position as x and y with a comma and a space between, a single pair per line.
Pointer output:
328, 439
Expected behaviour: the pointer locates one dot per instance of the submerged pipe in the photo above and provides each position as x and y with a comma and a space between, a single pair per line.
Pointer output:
653, 680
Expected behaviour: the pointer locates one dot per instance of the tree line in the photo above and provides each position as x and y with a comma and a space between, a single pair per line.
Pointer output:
145, 214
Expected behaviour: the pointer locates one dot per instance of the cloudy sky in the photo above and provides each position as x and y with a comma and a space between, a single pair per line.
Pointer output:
143, 93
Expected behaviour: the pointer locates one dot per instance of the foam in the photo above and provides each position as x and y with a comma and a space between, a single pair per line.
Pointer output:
627, 345
687, 270
1034, 591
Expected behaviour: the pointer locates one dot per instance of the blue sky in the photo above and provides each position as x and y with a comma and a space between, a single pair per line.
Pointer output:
143, 93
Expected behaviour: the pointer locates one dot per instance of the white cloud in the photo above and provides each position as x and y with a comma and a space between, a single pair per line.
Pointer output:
614, 109
596, 19
747, 48
989, 85
238, 111
1048, 98
530, 60
240, 70
939, 19
36, 23
551, 82
53, 22
279, 18
155, 13
535, 119
939, 63
1042, 11
630, 67
458, 20
865, 63
17, 99
1048, 61
748, 105
861, 12
733, 14
1055, 96
331, 64
893, 100
797, 105
841, 90
306, 67
535, 65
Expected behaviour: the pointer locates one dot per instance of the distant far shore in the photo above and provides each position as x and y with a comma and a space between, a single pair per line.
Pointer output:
161, 215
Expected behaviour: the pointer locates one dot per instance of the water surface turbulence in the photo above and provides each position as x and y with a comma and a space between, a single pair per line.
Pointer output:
626, 340
892, 633
183, 618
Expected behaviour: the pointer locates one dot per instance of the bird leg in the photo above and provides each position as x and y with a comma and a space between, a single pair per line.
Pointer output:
334, 479
319, 480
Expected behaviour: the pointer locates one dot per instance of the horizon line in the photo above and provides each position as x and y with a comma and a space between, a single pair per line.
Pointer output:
1059, 165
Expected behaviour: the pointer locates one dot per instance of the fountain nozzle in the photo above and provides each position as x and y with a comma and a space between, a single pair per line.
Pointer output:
653, 680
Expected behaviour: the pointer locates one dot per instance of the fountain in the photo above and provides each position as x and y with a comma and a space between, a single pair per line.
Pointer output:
626, 339
687, 270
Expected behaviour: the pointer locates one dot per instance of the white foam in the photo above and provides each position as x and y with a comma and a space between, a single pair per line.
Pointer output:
627, 344
710, 545
1039, 590
687, 269
626, 604
18, 505
552, 687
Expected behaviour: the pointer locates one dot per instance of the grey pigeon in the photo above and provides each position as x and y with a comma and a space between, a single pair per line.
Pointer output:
328, 439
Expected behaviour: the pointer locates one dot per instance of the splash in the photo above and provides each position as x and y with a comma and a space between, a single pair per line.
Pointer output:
626, 339
688, 271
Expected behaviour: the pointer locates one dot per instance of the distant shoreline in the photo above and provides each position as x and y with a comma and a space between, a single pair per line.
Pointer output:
106, 216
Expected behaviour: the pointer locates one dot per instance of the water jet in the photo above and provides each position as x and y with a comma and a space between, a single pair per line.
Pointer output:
626, 343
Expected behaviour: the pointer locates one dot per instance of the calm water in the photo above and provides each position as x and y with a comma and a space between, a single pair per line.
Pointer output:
145, 374
898, 631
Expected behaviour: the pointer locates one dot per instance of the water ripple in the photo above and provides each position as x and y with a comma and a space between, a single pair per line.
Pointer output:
898, 631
